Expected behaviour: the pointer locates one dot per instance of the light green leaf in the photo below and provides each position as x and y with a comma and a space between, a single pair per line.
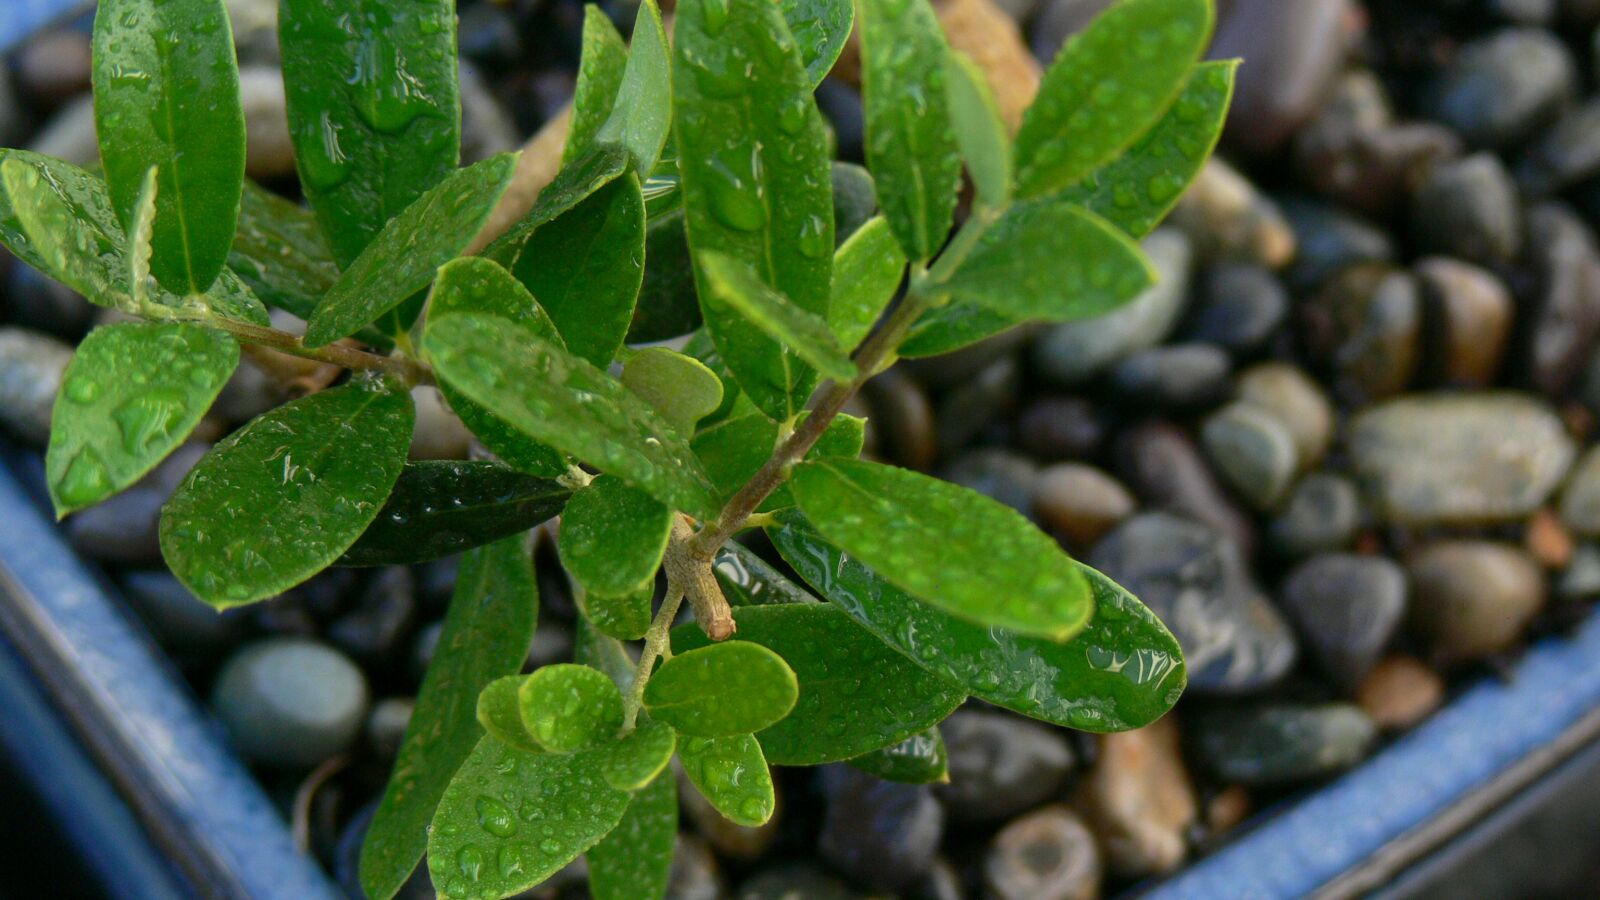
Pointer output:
642, 113
279, 251
729, 285
820, 28
919, 759
911, 148
867, 269
130, 396
555, 397
600, 67
613, 536
724, 689
499, 711
634, 862
984, 143
1106, 87
843, 439
950, 547
591, 171
623, 616
568, 707
283, 497
486, 634
732, 775
402, 258
139, 247
951, 327
634, 762
681, 388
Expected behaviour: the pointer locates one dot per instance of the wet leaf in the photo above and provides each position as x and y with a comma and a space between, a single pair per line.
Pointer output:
681, 388
919, 759
820, 29
634, 762
910, 146
623, 616
374, 109
1106, 87
511, 819
499, 711
559, 399
668, 306
950, 547
173, 103
568, 707
402, 258
600, 67
613, 536
730, 286
843, 439
747, 579
591, 171
279, 251
441, 507
732, 775
981, 134
723, 689
1123, 671
753, 160
486, 635
856, 694
283, 497
734, 449
867, 269
130, 396
642, 113
634, 862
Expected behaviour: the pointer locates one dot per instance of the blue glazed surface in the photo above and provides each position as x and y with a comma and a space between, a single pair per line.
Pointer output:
20, 18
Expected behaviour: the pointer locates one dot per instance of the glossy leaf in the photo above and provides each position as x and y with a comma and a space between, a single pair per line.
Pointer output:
1123, 671
624, 616
374, 109
668, 306
279, 251
747, 579
919, 759
585, 268
951, 327
681, 388
1136, 190
634, 762
130, 396
283, 497
499, 711
568, 707
1106, 87
486, 634
642, 113
734, 449
732, 775
559, 808
980, 133
600, 67
753, 160
173, 104
910, 146
867, 269
634, 862
723, 689
402, 258
843, 439
559, 399
951, 547
613, 536
731, 286
578, 179
856, 694
821, 28
441, 507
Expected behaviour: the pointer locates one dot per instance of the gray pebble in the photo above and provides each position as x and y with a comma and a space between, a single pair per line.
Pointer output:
1242, 307
1165, 469
1000, 765
1321, 515
1468, 208
880, 834
31, 365
996, 473
1348, 608
1503, 87
1174, 377
1252, 450
1365, 325
1294, 399
1296, 48
1329, 239
290, 702
1563, 312
126, 528
1049, 854
1580, 499
1281, 744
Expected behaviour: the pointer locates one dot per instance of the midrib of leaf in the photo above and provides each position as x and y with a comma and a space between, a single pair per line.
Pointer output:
177, 170
772, 262
919, 208
322, 451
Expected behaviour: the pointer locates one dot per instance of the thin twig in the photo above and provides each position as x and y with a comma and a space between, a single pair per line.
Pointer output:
406, 369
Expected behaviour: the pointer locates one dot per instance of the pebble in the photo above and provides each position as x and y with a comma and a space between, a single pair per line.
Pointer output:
488, 36
53, 66
904, 419
1195, 580
1242, 307
438, 432
841, 105
941, 882
31, 364
1228, 809
1463, 458
126, 528
1139, 801
183, 624
269, 151
854, 199
879, 834
1472, 598
1252, 450
966, 409
255, 30
35, 301
1164, 468
1563, 313
1365, 325
1581, 579
1000, 765
1399, 693
1175, 377
996, 473
983, 31
250, 392
1228, 219
729, 840
1321, 515
1280, 744
486, 127
694, 871
1547, 540
1503, 87
374, 632
1048, 854
1329, 239
1080, 503
1469, 312
1294, 399
1468, 208
1296, 48
70, 134
1563, 156
1058, 428
790, 881
1580, 499
13, 122
386, 725
1348, 608
290, 702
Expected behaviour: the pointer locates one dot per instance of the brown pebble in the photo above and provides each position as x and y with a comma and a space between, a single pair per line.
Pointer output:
1399, 692
54, 66
981, 30
1548, 540
905, 419
1472, 599
1228, 808
1080, 502
1139, 800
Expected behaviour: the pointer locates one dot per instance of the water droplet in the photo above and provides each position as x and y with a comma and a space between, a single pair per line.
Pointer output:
470, 861
85, 481
495, 817
736, 199
82, 390
816, 241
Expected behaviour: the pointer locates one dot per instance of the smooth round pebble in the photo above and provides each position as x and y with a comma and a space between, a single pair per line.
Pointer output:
1473, 598
1348, 607
1252, 450
1279, 744
882, 835
1400, 692
1293, 398
290, 702
1048, 854
1000, 765
1139, 800
1321, 514
1080, 502
1503, 87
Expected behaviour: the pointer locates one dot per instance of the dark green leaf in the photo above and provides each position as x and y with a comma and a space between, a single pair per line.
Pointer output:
634, 762
867, 270
1124, 671
951, 327
729, 688
1136, 190
613, 536
642, 113
668, 306
586, 266
732, 775
440, 507
910, 145
590, 172
279, 251
623, 616
568, 707
732, 288
634, 862
130, 396
856, 694
283, 497
499, 711
402, 258
1107, 86
753, 158
172, 103
919, 759
600, 69
952, 548
681, 388
557, 398
981, 134
747, 579
559, 808
820, 29
486, 635
374, 109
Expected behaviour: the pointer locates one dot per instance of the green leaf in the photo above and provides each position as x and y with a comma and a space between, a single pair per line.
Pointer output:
681, 388
1106, 87
402, 258
374, 109
843, 439
555, 397
642, 113
560, 807
734, 449
731, 286
600, 68
634, 762
1136, 190
753, 157
283, 497
568, 707
486, 635
634, 861
624, 616
724, 689
1123, 671
820, 28
867, 269
499, 711
911, 148
984, 143
952, 548
919, 759
668, 305
279, 251
856, 694
600, 651
172, 103
577, 180
951, 327
586, 266
130, 396
613, 536
139, 248
1051, 260
732, 775
441, 507
747, 579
